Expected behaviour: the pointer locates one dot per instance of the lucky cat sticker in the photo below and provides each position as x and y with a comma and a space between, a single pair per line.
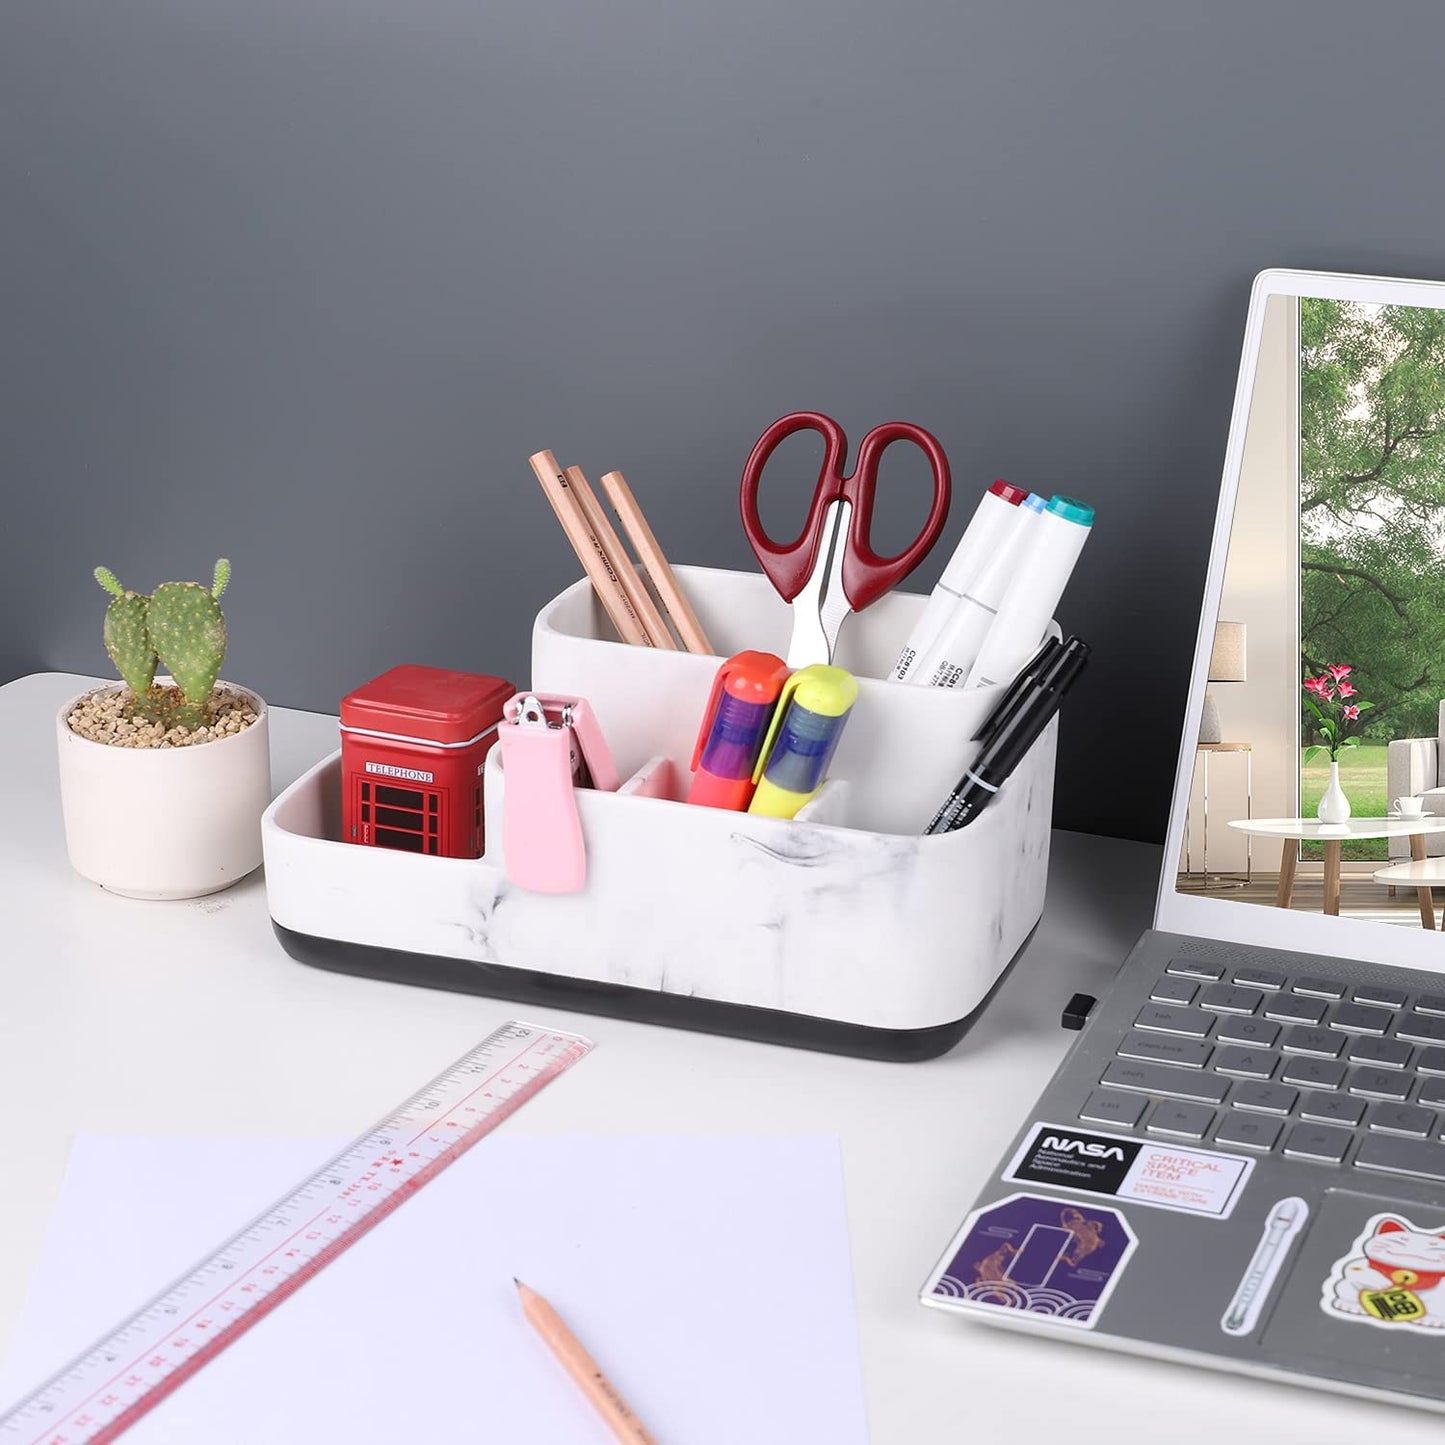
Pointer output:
1391, 1278
1043, 1257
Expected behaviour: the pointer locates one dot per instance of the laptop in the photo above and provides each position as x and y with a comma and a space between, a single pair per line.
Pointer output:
1258, 1100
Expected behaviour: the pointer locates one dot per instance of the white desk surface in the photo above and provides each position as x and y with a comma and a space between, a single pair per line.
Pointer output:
122, 1016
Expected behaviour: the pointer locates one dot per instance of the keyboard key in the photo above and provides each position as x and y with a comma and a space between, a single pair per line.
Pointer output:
1319, 987
1194, 968
1376, 1083
1382, 997
1186, 1053
1259, 978
1393, 1155
1431, 1061
1289, 1008
1102, 1107
1241, 1131
1174, 990
1166, 1082
1332, 1109
1314, 1073
1166, 1019
1228, 999
1318, 1142
1265, 1098
1387, 1053
1184, 1121
1320, 1043
1408, 1119
1235, 1030
1355, 1018
1430, 1003
1432, 1092
1245, 1063
1421, 1028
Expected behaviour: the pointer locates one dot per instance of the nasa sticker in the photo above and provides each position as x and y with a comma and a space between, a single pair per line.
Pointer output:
1393, 1277
1047, 1259
1164, 1176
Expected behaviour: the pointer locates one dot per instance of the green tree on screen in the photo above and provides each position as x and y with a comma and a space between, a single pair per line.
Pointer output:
1372, 505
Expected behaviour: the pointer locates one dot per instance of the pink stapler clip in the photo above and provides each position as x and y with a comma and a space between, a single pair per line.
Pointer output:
550, 745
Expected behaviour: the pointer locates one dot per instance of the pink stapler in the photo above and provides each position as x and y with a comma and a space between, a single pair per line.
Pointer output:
550, 745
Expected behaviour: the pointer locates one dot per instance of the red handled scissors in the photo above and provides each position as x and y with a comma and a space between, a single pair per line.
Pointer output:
831, 568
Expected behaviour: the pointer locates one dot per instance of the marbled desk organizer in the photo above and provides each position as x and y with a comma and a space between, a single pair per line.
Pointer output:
843, 929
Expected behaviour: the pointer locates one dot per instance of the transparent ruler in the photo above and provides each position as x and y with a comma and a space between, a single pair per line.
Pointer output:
132, 1369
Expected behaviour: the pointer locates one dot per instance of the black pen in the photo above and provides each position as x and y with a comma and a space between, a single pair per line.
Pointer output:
1009, 742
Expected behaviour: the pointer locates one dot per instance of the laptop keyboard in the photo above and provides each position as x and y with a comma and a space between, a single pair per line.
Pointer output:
1309, 1067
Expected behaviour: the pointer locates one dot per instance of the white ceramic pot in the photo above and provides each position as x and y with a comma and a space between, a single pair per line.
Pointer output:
165, 822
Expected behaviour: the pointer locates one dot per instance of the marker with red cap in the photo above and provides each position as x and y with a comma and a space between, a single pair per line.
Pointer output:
992, 523
739, 709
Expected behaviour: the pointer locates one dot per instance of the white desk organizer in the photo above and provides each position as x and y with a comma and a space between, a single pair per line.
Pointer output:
844, 929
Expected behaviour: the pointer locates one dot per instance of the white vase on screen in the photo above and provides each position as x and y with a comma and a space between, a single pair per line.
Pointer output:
1334, 807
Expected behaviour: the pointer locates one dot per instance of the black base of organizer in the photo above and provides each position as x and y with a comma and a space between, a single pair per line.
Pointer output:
641, 1005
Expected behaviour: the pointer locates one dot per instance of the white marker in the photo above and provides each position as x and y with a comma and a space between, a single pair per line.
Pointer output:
995, 517
949, 659
1286, 1220
1033, 593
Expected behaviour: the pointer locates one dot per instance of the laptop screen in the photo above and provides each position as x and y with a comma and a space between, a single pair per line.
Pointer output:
1309, 810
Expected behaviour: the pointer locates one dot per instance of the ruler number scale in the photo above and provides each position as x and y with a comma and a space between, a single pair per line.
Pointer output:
108, 1387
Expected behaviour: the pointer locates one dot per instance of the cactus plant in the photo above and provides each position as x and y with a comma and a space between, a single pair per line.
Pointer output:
126, 638
179, 626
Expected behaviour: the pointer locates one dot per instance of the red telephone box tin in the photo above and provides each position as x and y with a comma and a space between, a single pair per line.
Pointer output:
413, 742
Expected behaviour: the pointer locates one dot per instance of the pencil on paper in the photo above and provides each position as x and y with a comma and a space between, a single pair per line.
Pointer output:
632, 584
599, 1390
594, 560
649, 552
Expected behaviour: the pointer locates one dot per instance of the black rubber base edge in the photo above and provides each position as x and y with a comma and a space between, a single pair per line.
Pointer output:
641, 1005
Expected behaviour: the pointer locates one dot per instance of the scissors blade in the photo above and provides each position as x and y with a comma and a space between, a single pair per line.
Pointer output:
819, 609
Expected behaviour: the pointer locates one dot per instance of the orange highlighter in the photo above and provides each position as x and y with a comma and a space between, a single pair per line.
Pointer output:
734, 724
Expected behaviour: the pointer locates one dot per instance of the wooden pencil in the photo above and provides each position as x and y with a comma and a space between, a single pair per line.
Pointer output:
595, 561
674, 599
599, 1390
632, 584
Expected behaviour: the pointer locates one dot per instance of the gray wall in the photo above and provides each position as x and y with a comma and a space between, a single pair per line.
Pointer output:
305, 282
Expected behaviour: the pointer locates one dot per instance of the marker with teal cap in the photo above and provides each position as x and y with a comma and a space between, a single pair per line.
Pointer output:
1028, 604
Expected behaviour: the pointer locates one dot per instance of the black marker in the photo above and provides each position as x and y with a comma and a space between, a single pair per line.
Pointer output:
1018, 690
1010, 741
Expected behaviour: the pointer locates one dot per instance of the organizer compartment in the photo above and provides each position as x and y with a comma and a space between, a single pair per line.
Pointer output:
902, 751
873, 941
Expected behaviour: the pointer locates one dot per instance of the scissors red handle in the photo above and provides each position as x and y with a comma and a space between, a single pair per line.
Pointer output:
866, 575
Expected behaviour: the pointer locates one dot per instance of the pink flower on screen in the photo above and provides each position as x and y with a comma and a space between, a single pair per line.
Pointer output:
1339, 670
1351, 713
1320, 686
1347, 689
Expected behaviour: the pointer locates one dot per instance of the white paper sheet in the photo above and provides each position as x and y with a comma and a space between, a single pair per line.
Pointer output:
708, 1274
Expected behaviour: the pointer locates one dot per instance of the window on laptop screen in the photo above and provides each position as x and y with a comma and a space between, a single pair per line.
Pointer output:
1318, 768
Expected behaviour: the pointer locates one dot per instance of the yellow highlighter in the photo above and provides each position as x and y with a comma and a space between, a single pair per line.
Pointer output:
806, 726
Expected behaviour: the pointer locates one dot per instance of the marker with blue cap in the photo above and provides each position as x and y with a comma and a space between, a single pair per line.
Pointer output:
1028, 604
951, 656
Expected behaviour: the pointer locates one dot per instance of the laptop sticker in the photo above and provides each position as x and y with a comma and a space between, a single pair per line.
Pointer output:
1281, 1226
1164, 1176
1391, 1278
1038, 1256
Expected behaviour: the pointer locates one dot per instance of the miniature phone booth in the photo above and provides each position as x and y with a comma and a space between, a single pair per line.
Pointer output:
413, 743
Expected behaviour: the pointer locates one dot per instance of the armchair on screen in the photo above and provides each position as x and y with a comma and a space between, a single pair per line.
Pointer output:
1416, 766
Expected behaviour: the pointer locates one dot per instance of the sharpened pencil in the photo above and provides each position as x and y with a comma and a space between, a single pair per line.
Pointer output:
600, 1391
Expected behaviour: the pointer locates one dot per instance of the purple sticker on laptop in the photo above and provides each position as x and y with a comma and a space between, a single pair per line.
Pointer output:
1036, 1255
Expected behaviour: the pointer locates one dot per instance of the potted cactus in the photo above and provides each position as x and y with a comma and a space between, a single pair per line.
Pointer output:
164, 777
